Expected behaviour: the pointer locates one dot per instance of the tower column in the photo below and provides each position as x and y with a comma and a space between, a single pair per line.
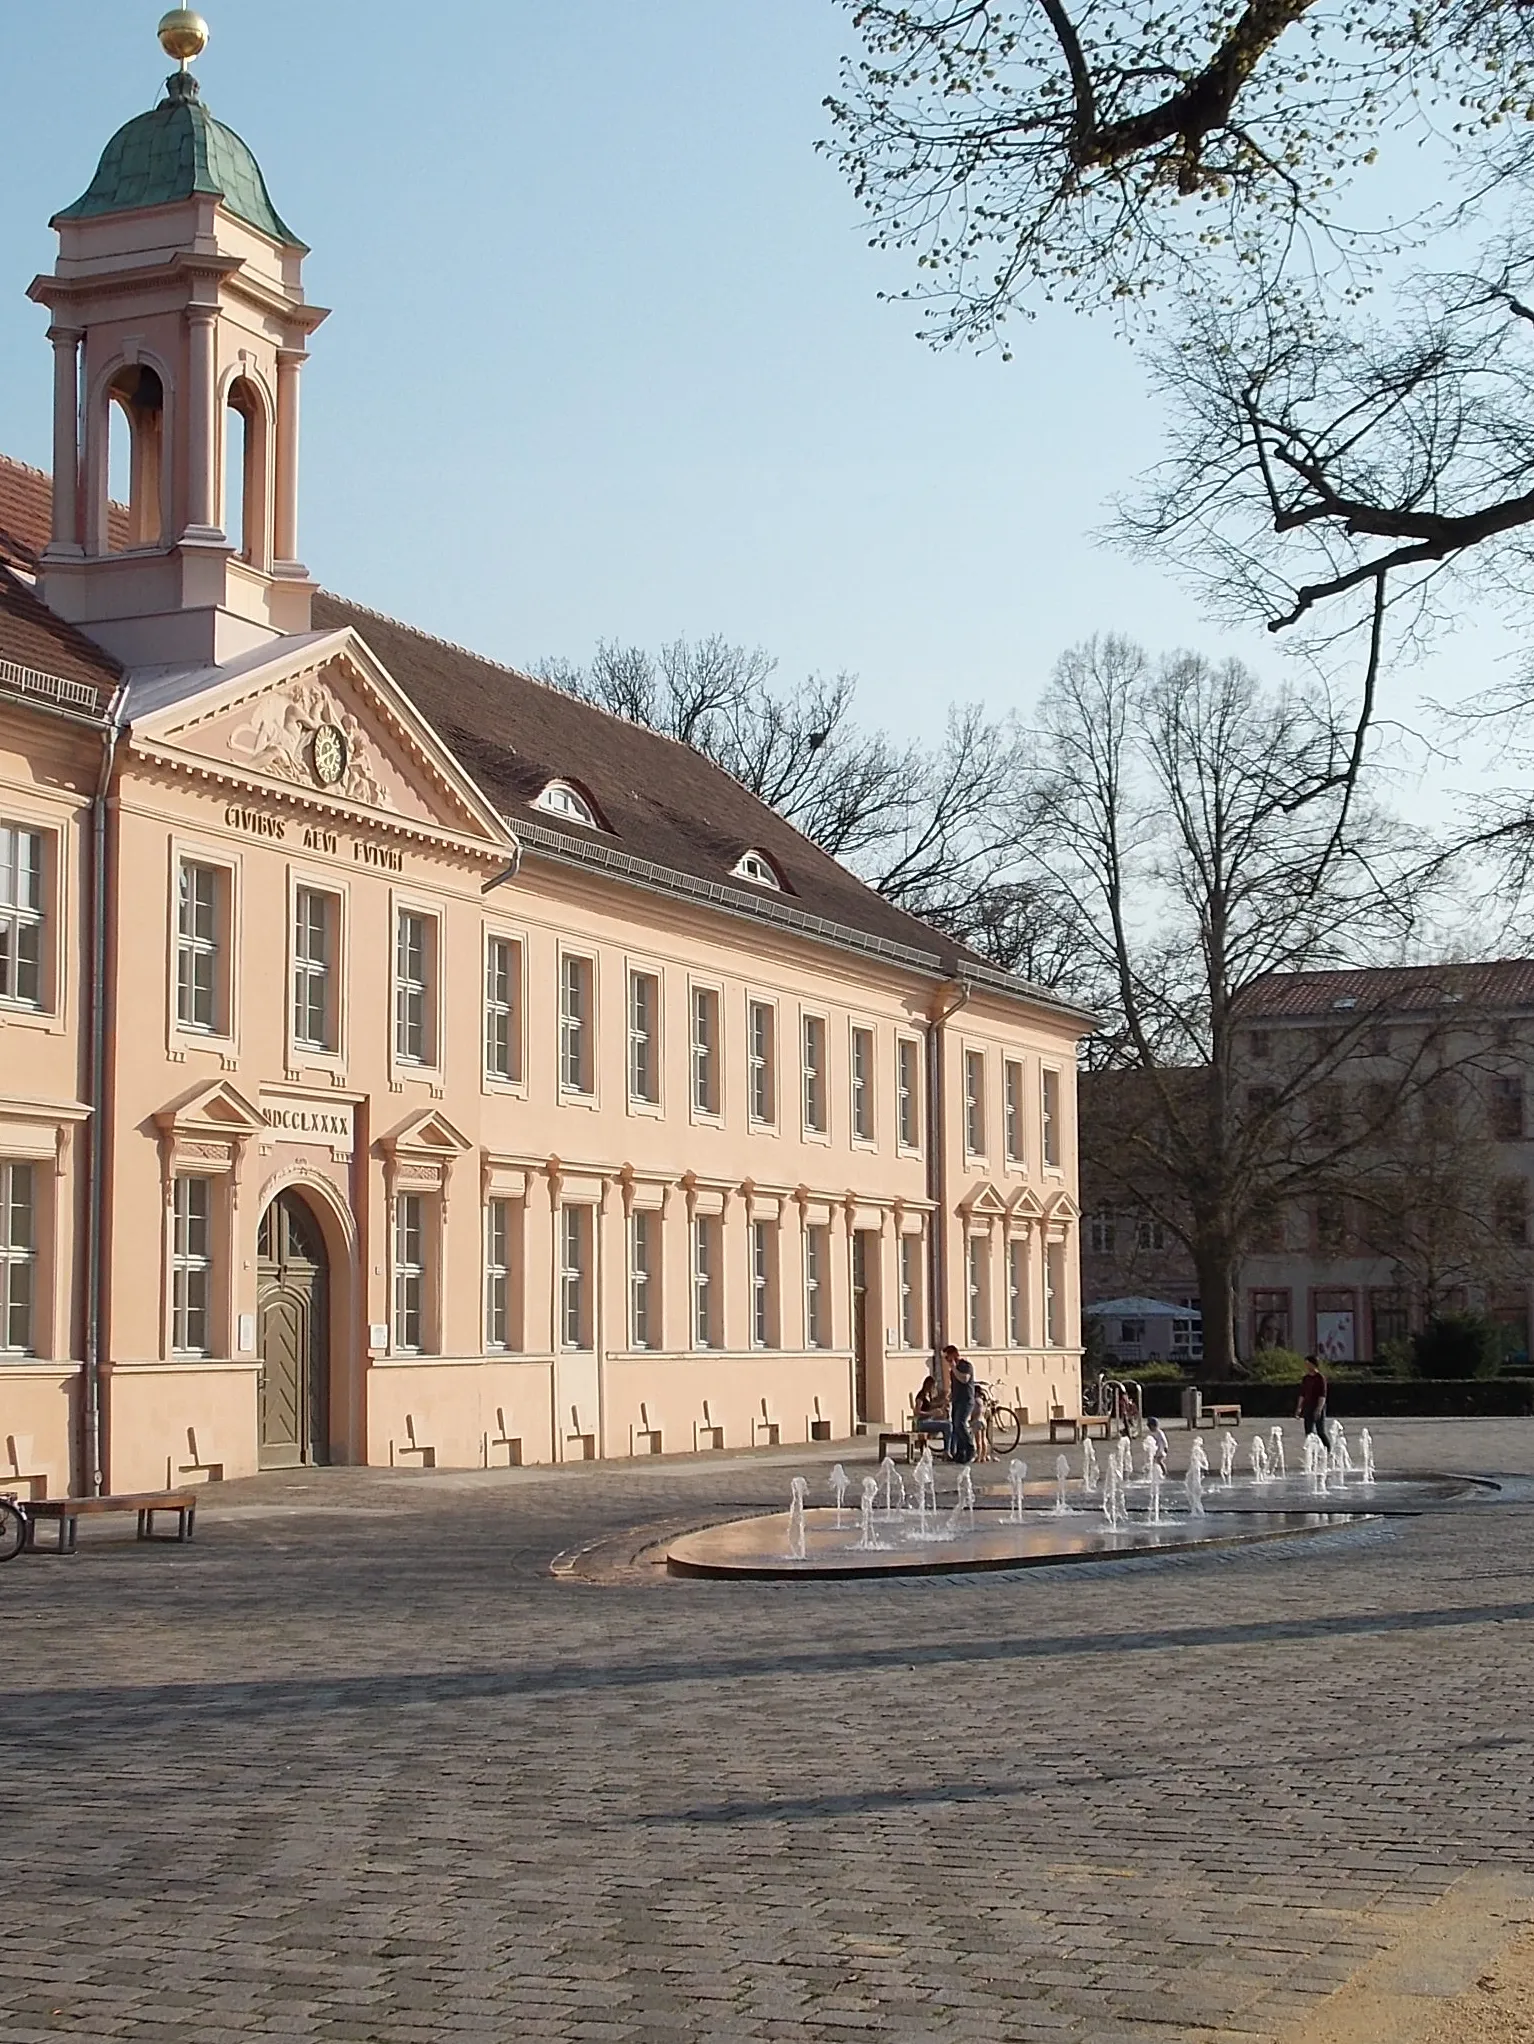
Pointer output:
66, 438
200, 522
285, 535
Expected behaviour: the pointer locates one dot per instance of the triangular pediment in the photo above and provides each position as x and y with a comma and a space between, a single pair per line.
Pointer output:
1025, 1205
985, 1199
321, 717
1063, 1208
427, 1134
216, 1108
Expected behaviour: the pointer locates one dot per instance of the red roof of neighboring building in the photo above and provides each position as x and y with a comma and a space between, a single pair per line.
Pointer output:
34, 644
1497, 983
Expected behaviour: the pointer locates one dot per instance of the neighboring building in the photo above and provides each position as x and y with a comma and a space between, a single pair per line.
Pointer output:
402, 1060
1146, 1330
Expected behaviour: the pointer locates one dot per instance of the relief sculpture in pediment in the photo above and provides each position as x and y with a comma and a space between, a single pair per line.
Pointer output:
302, 734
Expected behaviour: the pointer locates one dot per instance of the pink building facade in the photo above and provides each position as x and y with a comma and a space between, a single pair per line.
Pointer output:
401, 1062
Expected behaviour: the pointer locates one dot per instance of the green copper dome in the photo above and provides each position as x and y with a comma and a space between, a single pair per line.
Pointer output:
174, 153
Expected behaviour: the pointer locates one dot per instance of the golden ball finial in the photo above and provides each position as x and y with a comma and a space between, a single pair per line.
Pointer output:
183, 35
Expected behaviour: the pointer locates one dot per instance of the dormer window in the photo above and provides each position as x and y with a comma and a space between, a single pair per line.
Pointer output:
758, 869
560, 799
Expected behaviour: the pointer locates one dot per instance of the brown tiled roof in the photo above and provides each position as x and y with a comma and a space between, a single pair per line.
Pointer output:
1497, 984
35, 646
26, 514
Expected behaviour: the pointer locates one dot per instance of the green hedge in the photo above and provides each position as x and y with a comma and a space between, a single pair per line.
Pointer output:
1379, 1398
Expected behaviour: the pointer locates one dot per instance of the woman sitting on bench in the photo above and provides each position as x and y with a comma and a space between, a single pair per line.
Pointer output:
931, 1410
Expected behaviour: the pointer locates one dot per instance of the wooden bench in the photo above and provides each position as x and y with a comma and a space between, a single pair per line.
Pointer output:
1083, 1428
1223, 1415
69, 1511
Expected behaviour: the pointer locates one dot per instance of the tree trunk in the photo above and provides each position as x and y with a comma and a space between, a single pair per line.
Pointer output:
1215, 1263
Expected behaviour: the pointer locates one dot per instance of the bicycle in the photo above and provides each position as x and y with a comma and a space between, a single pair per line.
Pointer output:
15, 1519
1003, 1423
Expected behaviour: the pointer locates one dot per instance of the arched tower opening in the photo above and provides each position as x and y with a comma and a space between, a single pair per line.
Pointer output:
247, 514
135, 468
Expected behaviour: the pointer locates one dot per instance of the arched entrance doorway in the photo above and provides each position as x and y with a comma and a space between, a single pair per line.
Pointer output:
293, 1334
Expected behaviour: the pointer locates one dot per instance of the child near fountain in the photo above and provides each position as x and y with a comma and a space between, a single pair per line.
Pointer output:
1158, 1443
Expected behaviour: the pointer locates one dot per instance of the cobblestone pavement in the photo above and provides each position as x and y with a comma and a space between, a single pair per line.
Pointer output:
357, 1766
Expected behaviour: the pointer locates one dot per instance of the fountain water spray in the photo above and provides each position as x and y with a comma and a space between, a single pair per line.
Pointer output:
1276, 1436
1193, 1482
1017, 1477
1316, 1461
1228, 1447
1088, 1466
838, 1482
1153, 1478
1259, 1457
1113, 1494
926, 1488
964, 1505
1366, 1449
1342, 1461
1150, 1455
889, 1472
1062, 1478
796, 1496
867, 1538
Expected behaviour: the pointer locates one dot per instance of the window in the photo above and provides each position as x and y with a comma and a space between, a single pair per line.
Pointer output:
644, 1267
1102, 1231
761, 1049
1512, 1210
1054, 1294
977, 1270
817, 1265
575, 1058
1505, 1109
1260, 1043
815, 1074
1187, 1341
409, 1273
315, 1005
644, 1040
1270, 1319
1012, 1076
974, 1102
191, 1266
1051, 1124
705, 1050
560, 799
1331, 1226
706, 1299
863, 1085
906, 1098
575, 1236
1150, 1234
1017, 1293
1390, 1318
764, 1284
413, 1032
498, 1274
21, 916
1261, 1101
757, 868
18, 1258
1379, 1040
503, 1000
910, 1290
197, 946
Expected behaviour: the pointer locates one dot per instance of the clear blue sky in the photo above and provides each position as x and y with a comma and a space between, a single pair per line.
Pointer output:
607, 358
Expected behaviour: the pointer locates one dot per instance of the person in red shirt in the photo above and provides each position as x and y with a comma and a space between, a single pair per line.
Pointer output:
1312, 1406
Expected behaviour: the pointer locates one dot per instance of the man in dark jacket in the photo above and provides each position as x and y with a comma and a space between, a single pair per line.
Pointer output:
1312, 1406
961, 1404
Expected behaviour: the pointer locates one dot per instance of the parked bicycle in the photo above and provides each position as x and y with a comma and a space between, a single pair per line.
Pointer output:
1002, 1424
14, 1521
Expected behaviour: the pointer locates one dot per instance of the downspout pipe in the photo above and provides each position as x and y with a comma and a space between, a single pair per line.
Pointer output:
90, 1403
957, 996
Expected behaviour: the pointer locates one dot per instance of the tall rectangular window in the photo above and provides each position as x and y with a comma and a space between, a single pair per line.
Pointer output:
706, 1298
907, 1101
761, 1035
1103, 1233
198, 966
409, 1273
21, 916
1017, 1293
863, 1085
1051, 1119
644, 1038
705, 1050
413, 1017
575, 1277
910, 1290
764, 1284
1012, 1076
315, 1004
1054, 1294
644, 1279
815, 1074
503, 1001
974, 1102
817, 1274
191, 1265
18, 1258
1506, 1108
497, 1274
576, 1063
978, 1292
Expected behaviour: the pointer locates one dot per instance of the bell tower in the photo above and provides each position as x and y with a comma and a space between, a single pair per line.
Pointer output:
179, 321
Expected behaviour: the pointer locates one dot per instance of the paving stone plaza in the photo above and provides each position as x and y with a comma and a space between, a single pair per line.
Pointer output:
357, 1765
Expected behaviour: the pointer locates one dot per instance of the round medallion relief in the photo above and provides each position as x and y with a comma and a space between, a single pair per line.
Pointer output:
327, 754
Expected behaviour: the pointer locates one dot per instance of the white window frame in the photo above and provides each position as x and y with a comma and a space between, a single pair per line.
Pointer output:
577, 1279
909, 1273
20, 917
762, 1062
705, 1050
756, 867
330, 971
1014, 1144
645, 1253
498, 1275
908, 1096
187, 946
1017, 1291
429, 987
410, 1274
577, 1032
1103, 1231
707, 1281
564, 800
1051, 1114
503, 1009
191, 1267
862, 1085
763, 1245
977, 1290
19, 1259
814, 1086
817, 1285
645, 1044
974, 1078
1054, 1295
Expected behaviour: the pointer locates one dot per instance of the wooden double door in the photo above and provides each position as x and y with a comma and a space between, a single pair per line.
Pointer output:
293, 1334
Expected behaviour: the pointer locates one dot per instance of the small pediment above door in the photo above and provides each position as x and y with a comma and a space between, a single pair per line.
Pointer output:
322, 717
215, 1109
985, 1201
428, 1134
